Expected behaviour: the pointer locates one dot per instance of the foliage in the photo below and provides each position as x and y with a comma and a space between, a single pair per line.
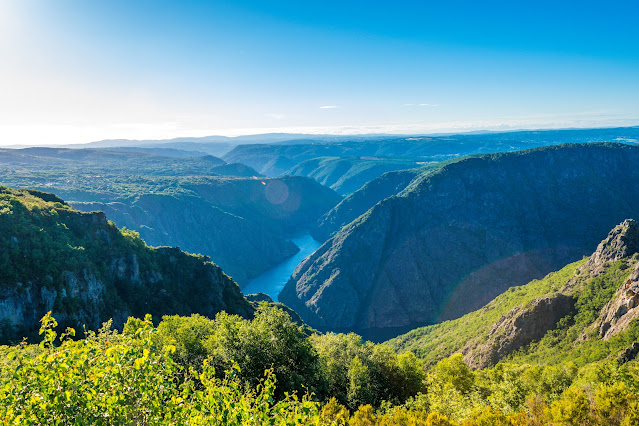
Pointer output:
359, 373
86, 270
166, 375
110, 379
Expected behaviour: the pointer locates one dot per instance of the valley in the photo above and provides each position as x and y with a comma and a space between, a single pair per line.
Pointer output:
272, 281
333, 213
488, 267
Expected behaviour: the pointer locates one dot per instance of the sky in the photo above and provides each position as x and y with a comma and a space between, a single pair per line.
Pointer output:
76, 71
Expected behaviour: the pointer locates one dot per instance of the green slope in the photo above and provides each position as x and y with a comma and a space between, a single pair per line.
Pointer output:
511, 327
85, 270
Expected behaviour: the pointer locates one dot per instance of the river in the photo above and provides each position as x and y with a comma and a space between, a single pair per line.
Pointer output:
273, 280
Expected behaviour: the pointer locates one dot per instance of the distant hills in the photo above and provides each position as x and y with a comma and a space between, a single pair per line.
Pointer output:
275, 159
458, 237
346, 175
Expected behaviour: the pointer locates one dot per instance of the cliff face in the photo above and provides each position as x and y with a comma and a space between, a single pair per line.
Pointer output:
518, 328
81, 267
356, 204
525, 324
459, 237
241, 247
621, 310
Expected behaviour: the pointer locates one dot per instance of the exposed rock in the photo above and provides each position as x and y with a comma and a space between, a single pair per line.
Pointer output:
518, 328
629, 354
617, 315
96, 272
623, 241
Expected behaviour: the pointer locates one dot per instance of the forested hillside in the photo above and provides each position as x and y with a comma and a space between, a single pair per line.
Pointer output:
86, 271
464, 234
583, 313
357, 203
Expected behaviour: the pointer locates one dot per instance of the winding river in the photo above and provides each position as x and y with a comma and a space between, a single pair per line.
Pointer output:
273, 280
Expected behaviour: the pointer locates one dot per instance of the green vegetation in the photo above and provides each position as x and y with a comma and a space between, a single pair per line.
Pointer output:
86, 271
272, 370
112, 379
346, 175
170, 201
175, 374
275, 159
435, 342
456, 238
370, 193
331, 365
562, 344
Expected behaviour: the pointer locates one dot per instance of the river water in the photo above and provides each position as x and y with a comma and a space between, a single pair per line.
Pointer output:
273, 280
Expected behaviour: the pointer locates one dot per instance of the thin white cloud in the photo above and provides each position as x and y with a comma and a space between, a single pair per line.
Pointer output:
428, 105
328, 107
276, 116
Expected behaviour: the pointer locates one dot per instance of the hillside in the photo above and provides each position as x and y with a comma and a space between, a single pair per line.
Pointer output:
346, 175
269, 370
357, 203
242, 224
585, 312
461, 236
86, 271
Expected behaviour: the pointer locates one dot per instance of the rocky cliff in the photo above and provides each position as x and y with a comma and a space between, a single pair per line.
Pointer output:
81, 267
464, 234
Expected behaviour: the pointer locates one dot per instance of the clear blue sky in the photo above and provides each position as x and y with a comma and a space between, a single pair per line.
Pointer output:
75, 71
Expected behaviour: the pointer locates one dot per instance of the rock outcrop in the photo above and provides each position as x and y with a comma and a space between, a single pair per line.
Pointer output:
592, 299
621, 242
617, 315
629, 354
518, 328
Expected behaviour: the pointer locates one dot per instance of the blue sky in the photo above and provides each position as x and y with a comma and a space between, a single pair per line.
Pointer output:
76, 71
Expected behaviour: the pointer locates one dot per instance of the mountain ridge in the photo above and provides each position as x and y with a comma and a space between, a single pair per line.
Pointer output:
463, 208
